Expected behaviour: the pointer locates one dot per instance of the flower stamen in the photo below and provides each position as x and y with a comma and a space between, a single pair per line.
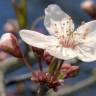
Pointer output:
67, 42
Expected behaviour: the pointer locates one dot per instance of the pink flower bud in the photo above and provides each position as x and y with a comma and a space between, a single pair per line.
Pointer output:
11, 26
72, 72
90, 7
87, 4
73, 68
39, 76
65, 67
9, 44
46, 78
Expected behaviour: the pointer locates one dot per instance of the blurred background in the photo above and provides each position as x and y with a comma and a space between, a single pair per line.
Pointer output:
35, 9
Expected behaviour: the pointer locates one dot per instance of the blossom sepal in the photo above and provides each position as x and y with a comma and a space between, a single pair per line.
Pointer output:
46, 78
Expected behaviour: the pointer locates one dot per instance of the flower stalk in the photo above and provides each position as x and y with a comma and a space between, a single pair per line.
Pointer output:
40, 64
58, 68
42, 90
24, 60
53, 65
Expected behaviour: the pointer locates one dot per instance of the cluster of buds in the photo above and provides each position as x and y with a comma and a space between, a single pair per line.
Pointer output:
46, 78
53, 81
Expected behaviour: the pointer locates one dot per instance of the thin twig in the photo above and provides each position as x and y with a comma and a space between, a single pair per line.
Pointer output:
24, 59
42, 90
40, 64
59, 67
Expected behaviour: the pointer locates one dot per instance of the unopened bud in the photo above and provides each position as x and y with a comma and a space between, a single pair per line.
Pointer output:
38, 76
74, 70
46, 78
65, 67
9, 44
11, 26
90, 7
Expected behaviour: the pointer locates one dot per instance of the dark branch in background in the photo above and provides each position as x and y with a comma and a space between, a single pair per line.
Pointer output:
12, 63
8, 65
16, 79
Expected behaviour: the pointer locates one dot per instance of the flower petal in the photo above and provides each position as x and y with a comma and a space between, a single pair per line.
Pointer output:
57, 22
87, 52
86, 37
61, 53
36, 39
85, 31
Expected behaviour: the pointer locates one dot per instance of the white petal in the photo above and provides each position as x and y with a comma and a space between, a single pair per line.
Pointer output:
61, 53
56, 21
86, 37
86, 31
71, 61
86, 53
36, 39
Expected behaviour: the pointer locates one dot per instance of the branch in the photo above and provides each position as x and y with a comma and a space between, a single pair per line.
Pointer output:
10, 64
19, 78
2, 87
13, 63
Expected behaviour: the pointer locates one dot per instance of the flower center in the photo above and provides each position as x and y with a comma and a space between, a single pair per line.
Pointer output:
67, 42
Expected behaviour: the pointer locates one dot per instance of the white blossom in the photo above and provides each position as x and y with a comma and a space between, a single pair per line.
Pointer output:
64, 42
